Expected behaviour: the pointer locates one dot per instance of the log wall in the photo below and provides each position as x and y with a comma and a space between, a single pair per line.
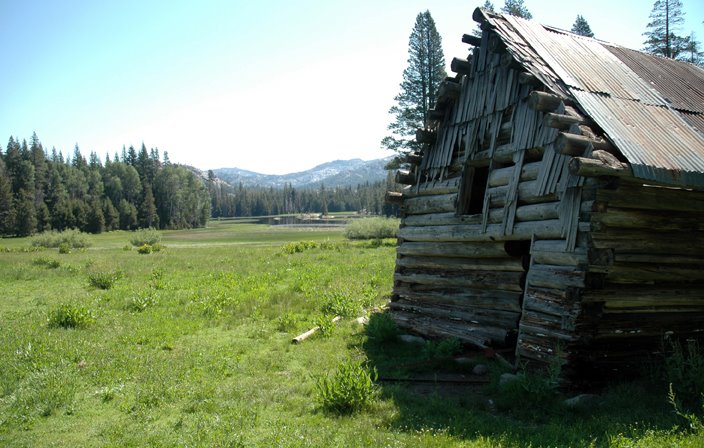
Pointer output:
647, 269
463, 274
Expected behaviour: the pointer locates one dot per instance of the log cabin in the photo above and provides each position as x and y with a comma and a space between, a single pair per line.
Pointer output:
556, 211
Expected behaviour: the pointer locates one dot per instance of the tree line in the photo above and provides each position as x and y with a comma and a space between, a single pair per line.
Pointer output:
239, 200
40, 191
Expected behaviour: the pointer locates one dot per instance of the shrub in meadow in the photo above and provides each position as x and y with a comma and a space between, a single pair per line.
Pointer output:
73, 239
71, 316
349, 389
372, 228
148, 236
104, 279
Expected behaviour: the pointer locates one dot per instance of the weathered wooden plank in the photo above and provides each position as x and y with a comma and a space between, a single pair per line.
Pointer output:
551, 301
548, 229
506, 281
441, 328
441, 219
434, 188
460, 264
502, 176
490, 299
527, 194
557, 277
463, 250
430, 204
483, 318
654, 273
652, 220
652, 198
532, 212
642, 241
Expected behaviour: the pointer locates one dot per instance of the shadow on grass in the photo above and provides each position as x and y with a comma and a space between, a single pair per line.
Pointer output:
442, 395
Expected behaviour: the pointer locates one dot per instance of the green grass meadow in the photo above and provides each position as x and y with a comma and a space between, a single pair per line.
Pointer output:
191, 346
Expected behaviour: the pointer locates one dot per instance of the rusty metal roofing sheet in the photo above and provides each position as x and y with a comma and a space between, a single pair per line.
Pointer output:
680, 84
583, 63
657, 141
524, 53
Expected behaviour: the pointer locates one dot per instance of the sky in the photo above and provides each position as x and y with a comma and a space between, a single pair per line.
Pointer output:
273, 87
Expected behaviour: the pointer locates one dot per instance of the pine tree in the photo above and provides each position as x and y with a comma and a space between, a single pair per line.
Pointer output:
516, 8
95, 219
112, 216
421, 79
43, 217
7, 212
692, 53
662, 39
25, 213
148, 216
128, 215
581, 27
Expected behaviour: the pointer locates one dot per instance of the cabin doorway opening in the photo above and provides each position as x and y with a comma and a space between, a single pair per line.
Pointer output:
518, 249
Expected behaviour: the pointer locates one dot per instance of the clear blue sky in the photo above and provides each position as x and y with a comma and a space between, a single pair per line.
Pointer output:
274, 87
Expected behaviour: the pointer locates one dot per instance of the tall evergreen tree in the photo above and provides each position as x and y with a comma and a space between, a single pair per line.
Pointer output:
128, 215
421, 79
95, 219
692, 53
112, 216
25, 213
666, 20
581, 27
7, 213
148, 216
516, 8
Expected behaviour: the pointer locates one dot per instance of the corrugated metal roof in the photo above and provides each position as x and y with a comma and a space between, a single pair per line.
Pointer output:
651, 108
657, 141
679, 84
527, 56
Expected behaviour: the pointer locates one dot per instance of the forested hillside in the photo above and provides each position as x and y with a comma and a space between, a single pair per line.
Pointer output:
42, 191
262, 201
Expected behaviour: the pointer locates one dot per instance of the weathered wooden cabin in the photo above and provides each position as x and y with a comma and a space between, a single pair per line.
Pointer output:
557, 208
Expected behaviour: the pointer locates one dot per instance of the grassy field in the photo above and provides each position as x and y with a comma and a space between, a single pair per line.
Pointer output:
191, 346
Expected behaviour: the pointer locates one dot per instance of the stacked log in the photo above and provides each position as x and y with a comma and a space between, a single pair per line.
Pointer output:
651, 271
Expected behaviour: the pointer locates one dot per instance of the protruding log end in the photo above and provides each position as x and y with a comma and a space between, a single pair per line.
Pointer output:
393, 197
543, 101
436, 115
414, 158
461, 66
529, 79
478, 15
448, 90
404, 177
560, 121
472, 40
425, 136
571, 144
602, 164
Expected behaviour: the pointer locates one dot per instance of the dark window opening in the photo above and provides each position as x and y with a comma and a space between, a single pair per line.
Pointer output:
473, 190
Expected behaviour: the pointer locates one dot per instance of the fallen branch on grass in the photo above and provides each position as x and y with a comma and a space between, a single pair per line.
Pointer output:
307, 334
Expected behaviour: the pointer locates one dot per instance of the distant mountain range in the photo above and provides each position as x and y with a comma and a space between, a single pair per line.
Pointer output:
338, 173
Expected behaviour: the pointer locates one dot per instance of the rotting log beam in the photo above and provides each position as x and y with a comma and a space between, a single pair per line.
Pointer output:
575, 145
547, 229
